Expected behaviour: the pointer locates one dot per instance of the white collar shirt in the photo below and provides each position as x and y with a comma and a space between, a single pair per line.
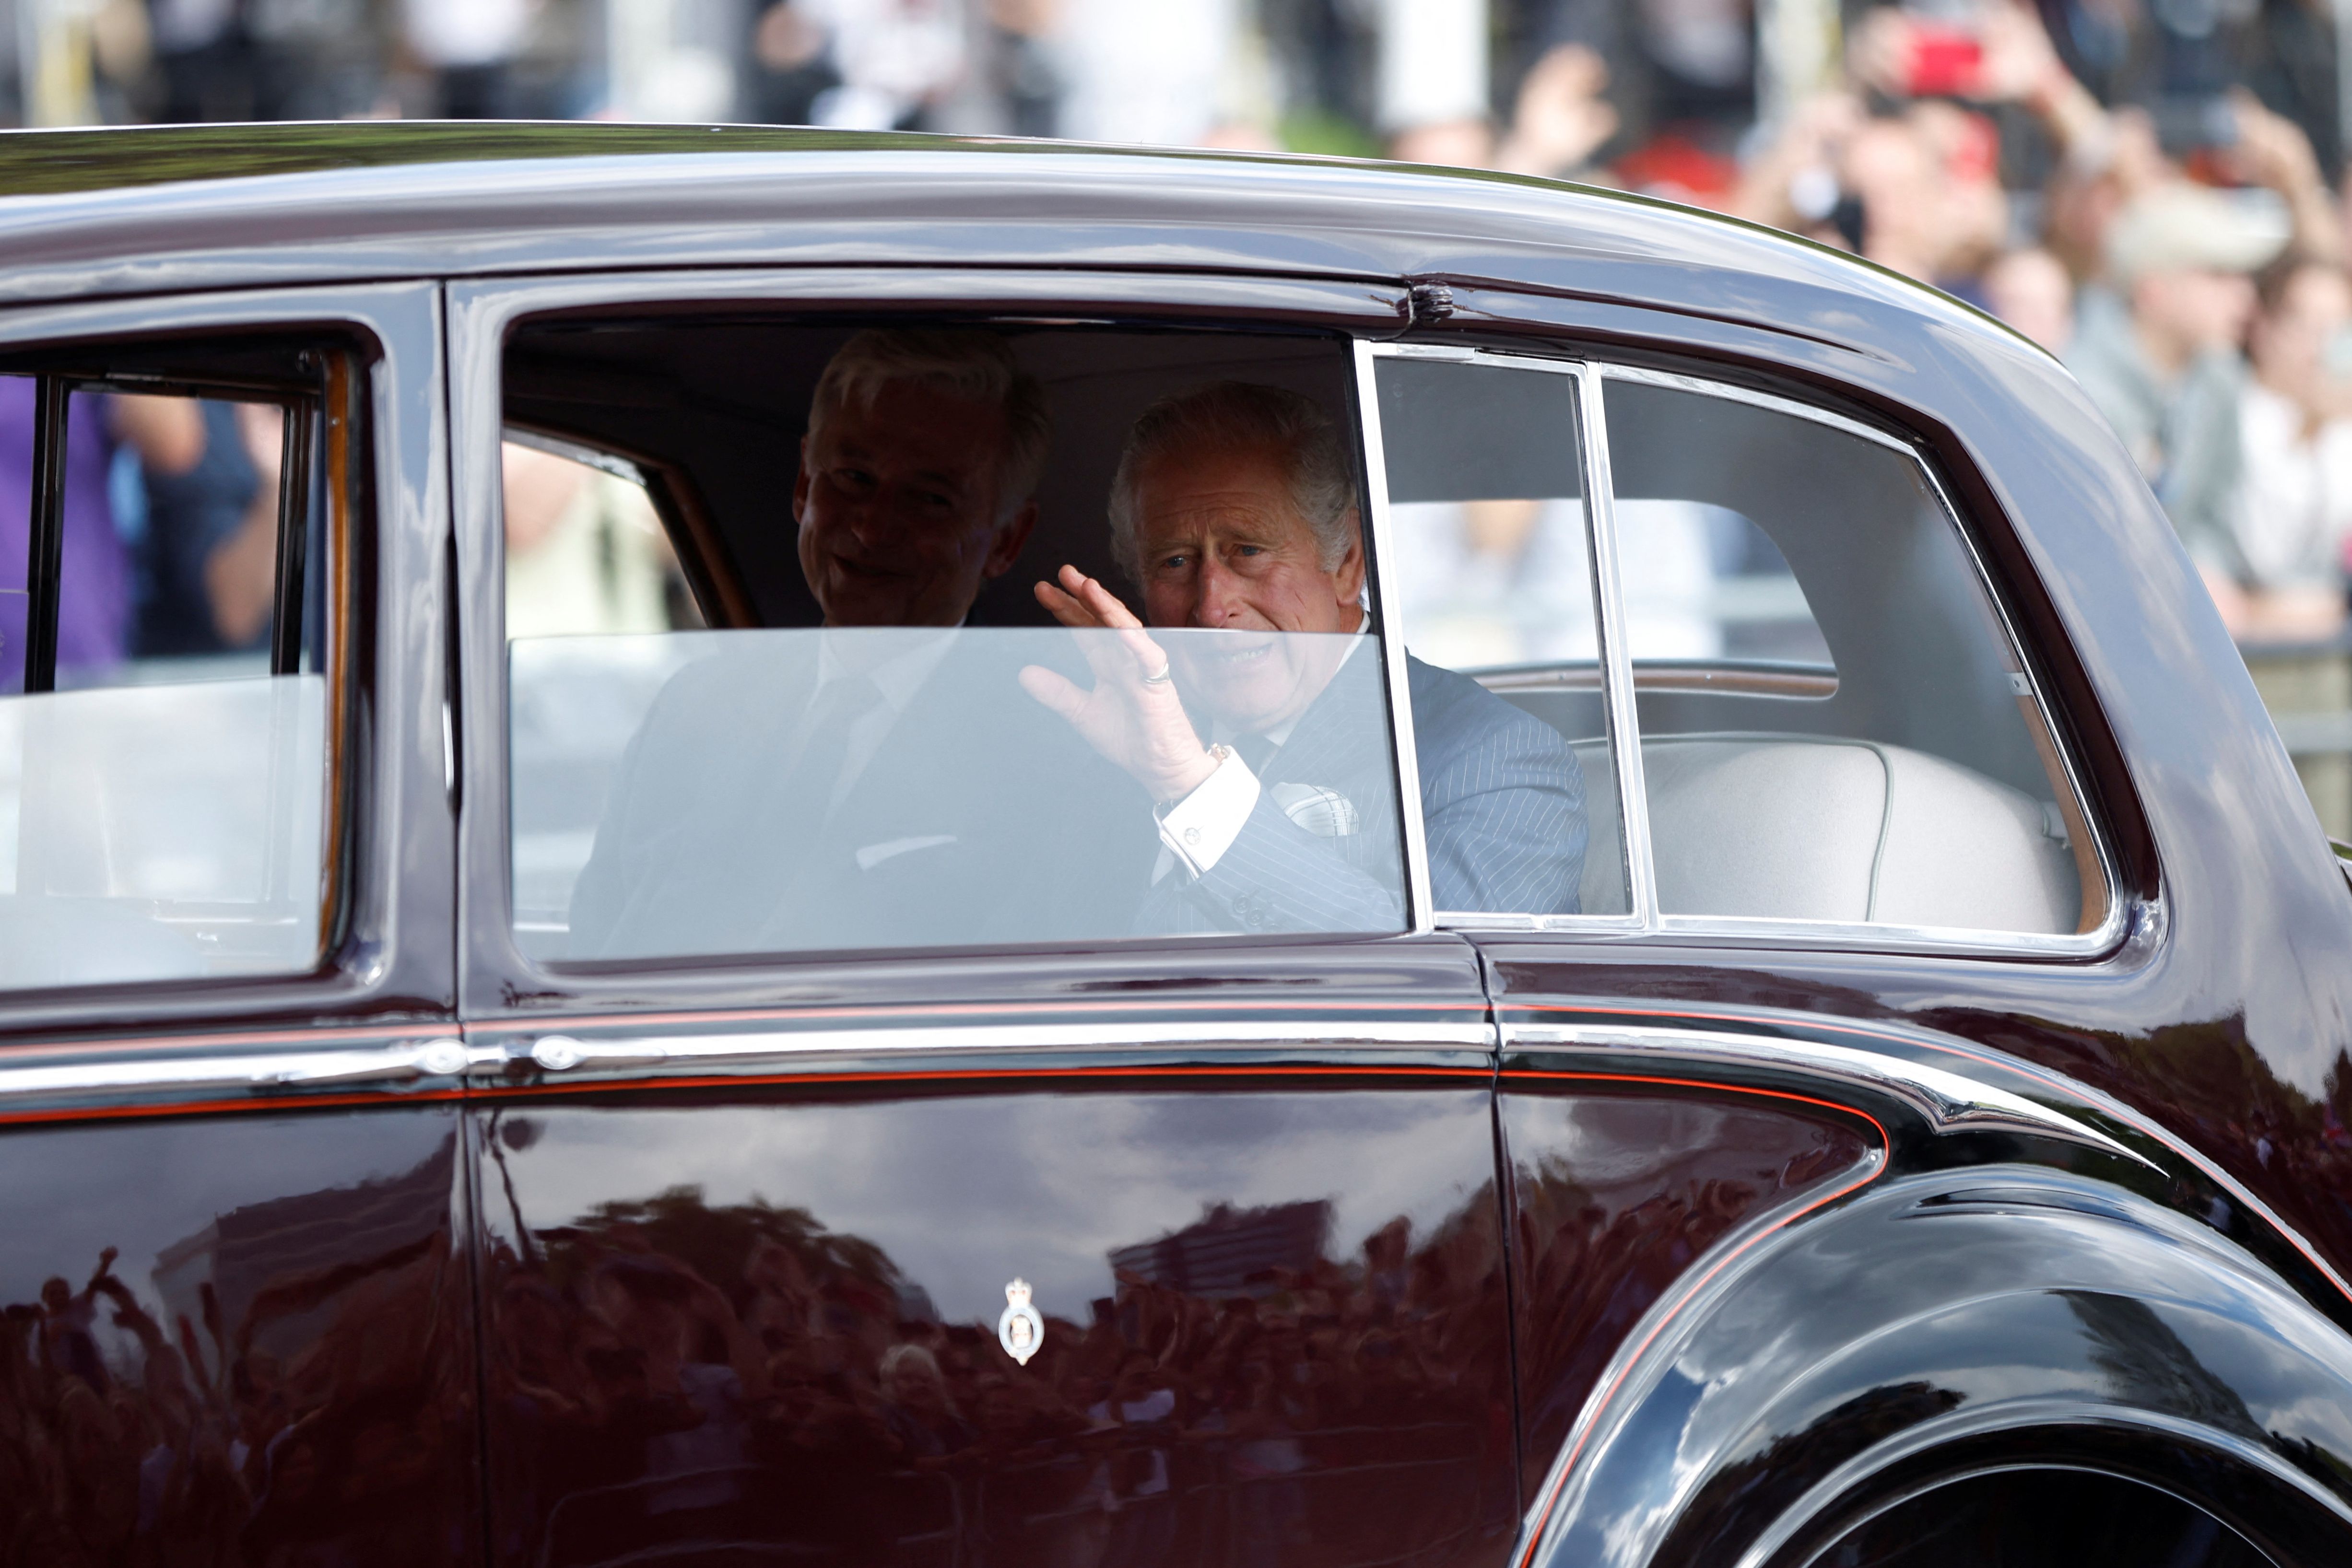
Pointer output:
899, 661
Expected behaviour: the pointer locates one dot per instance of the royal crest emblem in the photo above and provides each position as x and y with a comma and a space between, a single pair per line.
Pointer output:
1020, 1331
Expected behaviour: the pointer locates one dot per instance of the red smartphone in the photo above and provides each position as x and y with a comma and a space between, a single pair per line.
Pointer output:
1946, 62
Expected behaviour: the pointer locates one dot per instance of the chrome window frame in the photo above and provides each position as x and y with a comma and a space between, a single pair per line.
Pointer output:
1647, 921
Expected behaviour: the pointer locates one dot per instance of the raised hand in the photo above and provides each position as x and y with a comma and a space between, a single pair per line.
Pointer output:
1133, 715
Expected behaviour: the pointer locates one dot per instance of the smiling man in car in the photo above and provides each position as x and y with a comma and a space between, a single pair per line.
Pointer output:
1235, 507
789, 791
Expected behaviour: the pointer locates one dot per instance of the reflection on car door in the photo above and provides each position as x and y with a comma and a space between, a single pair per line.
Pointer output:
1269, 1319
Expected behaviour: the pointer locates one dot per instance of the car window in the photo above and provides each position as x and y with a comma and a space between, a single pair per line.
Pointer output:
1703, 583
1860, 743
163, 727
826, 705
1490, 567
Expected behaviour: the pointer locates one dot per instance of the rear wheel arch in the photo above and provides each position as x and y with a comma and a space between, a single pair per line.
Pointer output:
1954, 1316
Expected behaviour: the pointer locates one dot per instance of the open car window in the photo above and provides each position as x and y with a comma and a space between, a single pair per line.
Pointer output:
781, 678
174, 517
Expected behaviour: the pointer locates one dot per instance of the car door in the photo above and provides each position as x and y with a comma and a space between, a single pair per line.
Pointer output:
229, 1145
1035, 1238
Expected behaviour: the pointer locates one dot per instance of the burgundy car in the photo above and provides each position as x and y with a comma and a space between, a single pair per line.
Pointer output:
742, 847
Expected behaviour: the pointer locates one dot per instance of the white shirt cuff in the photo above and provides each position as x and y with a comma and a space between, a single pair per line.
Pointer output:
1198, 829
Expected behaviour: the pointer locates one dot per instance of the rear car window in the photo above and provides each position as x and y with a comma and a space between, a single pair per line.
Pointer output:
1910, 782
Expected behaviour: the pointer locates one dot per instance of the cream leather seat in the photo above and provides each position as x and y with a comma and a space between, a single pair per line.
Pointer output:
1813, 828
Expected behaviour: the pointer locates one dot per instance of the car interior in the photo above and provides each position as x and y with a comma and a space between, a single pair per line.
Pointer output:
1873, 756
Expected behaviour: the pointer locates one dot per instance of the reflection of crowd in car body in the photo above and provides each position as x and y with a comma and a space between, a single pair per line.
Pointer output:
1235, 507
851, 1426
199, 1447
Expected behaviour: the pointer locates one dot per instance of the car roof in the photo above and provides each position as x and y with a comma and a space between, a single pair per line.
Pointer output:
134, 209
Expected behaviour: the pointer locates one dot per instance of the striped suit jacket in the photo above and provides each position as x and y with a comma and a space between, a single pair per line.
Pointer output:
1502, 798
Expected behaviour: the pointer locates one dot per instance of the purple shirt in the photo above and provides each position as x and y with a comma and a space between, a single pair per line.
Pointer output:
94, 591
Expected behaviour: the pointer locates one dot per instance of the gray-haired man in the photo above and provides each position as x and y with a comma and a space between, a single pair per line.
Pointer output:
922, 452
1235, 507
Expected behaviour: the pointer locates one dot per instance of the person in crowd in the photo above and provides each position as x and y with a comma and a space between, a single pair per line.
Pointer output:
1153, 74
470, 47
1681, 74
1235, 507
2293, 517
793, 792
860, 65
207, 545
585, 551
921, 1415
1430, 84
2029, 289
2159, 355
94, 587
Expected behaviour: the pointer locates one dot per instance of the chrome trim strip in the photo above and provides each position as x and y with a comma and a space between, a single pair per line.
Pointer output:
1949, 1102
2099, 1100
1595, 925
1617, 659
1422, 914
560, 1053
1740, 932
404, 1062
408, 1061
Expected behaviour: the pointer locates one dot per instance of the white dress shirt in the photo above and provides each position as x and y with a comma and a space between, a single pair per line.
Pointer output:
897, 660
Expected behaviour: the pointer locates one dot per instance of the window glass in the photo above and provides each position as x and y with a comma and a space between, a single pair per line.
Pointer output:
161, 800
1703, 583
1013, 637
1861, 747
1492, 571
585, 552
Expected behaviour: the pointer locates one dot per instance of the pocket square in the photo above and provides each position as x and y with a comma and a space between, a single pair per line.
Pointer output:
1325, 812
873, 855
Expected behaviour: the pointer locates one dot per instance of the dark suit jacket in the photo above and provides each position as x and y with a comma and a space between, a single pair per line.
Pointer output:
981, 816
1502, 800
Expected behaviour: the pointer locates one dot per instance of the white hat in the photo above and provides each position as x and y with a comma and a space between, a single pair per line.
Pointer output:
2182, 227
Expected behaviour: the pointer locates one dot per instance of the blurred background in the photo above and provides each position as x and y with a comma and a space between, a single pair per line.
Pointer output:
2154, 190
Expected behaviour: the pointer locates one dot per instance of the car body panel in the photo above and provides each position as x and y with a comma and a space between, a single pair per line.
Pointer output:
1291, 1293
280, 1361
1936, 1309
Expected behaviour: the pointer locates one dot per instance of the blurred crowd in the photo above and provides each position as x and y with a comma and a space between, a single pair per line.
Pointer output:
2149, 188
171, 531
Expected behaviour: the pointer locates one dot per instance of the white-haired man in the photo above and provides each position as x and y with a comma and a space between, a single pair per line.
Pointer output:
1234, 508
787, 794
